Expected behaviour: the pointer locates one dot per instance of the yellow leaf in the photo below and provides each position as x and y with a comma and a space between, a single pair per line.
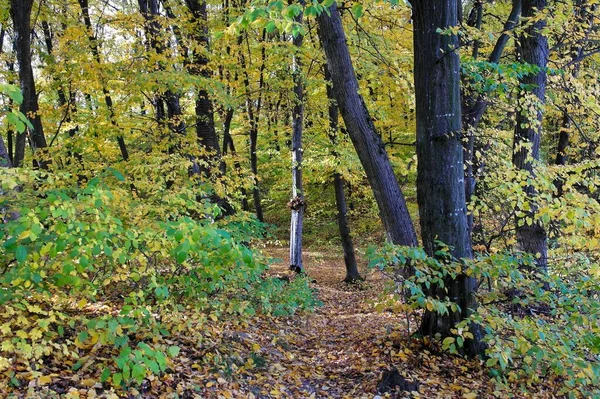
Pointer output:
227, 395
256, 347
88, 382
44, 380
470, 395
429, 306
4, 363
22, 334
82, 302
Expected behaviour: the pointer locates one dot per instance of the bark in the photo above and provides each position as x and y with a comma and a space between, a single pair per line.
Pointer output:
205, 121
474, 106
9, 134
368, 144
67, 103
165, 98
253, 117
475, 20
352, 273
95, 48
297, 203
20, 11
228, 145
440, 176
583, 16
4, 158
531, 236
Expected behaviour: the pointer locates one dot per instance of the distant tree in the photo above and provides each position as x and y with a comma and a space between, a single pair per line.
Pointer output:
95, 48
531, 234
352, 273
368, 144
4, 158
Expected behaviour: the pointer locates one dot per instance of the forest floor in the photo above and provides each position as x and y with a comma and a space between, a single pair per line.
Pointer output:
340, 350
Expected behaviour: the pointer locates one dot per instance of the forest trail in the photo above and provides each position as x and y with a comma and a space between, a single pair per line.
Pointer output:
340, 350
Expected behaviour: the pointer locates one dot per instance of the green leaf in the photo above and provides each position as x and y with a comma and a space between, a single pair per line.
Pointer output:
21, 254
447, 342
117, 174
138, 372
357, 10
270, 26
173, 351
117, 379
181, 256
491, 362
105, 374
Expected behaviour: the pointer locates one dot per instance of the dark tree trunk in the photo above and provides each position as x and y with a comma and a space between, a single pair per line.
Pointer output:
166, 102
368, 144
253, 117
228, 145
205, 121
4, 158
352, 273
475, 18
583, 17
20, 11
440, 176
474, 106
531, 234
563, 139
85, 11
9, 134
66, 103
297, 203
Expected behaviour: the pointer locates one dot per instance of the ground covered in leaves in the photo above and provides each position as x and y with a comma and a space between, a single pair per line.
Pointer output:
339, 351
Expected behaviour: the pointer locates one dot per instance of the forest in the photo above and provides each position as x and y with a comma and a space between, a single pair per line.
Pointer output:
312, 199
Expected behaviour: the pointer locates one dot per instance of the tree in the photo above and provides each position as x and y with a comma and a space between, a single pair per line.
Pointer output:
368, 144
297, 203
473, 106
352, 274
4, 158
198, 66
95, 48
440, 177
20, 11
164, 99
531, 234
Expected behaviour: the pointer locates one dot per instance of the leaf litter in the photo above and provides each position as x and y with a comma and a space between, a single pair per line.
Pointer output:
342, 350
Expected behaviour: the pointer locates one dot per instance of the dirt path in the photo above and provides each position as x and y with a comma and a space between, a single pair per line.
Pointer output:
341, 350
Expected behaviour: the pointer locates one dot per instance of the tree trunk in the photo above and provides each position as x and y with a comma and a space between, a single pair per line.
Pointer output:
440, 176
9, 134
474, 106
163, 98
368, 144
297, 203
85, 11
4, 158
352, 273
205, 120
254, 117
531, 235
20, 11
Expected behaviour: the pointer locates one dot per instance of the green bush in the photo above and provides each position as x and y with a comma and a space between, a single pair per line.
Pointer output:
539, 328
